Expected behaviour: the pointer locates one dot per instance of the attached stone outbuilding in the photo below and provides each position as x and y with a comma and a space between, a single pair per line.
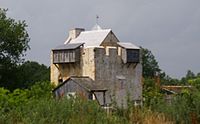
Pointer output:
83, 87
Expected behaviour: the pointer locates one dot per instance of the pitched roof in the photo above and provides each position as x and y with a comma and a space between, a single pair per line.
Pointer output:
127, 45
68, 46
85, 82
91, 38
176, 88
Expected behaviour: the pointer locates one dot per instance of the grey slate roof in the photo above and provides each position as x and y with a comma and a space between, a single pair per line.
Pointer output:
68, 46
128, 45
85, 82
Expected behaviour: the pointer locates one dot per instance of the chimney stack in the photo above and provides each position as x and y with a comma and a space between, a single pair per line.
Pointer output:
74, 33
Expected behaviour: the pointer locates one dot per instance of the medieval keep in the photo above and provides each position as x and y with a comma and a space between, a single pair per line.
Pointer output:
96, 65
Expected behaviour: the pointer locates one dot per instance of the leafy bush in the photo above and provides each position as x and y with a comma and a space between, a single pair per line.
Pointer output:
151, 93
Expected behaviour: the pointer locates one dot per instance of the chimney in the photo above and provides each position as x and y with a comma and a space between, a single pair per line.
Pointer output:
74, 33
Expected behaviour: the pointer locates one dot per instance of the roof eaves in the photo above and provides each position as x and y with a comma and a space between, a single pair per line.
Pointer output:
88, 89
60, 84
173, 92
69, 46
127, 45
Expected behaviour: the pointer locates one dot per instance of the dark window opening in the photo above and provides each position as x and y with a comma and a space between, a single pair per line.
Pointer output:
133, 56
90, 96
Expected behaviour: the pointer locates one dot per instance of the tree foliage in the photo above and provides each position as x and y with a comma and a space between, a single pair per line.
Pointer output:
149, 63
13, 38
14, 41
195, 82
30, 72
27, 74
151, 92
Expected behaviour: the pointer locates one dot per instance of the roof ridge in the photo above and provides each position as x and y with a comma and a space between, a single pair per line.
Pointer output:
89, 31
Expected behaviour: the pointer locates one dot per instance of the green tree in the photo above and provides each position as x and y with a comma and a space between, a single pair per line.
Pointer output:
151, 69
195, 82
149, 63
30, 72
190, 75
13, 38
14, 41
198, 74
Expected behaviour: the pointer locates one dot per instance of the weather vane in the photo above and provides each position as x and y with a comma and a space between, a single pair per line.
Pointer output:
97, 19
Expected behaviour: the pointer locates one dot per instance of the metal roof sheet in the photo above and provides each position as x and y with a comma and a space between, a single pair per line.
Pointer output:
91, 38
68, 46
128, 45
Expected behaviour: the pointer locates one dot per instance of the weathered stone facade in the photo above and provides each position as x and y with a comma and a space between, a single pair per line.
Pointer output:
103, 63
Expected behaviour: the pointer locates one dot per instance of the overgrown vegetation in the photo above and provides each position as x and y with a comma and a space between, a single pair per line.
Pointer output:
37, 105
182, 108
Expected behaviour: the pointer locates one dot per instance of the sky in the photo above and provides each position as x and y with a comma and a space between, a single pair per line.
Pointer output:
169, 28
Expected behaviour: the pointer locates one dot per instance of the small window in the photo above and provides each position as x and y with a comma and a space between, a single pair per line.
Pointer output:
90, 96
131, 55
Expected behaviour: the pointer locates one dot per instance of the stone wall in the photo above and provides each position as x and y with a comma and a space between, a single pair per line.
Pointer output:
122, 80
105, 66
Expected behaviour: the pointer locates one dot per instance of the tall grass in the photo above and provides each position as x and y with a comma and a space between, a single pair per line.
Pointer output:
77, 111
34, 106
50, 111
